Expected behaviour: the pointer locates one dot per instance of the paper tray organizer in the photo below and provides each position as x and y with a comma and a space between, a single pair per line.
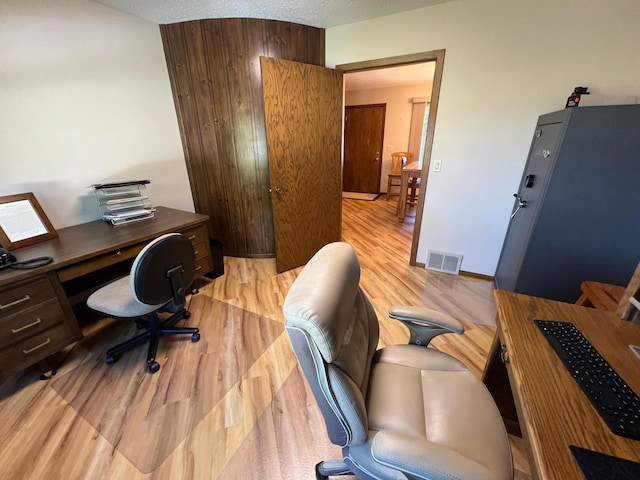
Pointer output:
123, 202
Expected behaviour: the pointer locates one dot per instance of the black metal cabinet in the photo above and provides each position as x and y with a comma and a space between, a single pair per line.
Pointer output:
576, 213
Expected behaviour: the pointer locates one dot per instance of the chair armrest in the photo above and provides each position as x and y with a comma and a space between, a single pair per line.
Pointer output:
424, 323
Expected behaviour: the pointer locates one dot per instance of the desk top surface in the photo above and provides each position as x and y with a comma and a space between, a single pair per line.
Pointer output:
88, 240
413, 166
553, 411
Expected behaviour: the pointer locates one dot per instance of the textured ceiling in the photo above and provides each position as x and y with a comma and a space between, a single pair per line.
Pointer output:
317, 13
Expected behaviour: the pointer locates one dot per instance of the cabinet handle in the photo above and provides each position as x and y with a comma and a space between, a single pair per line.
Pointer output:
196, 252
191, 237
199, 267
43, 344
29, 325
11, 304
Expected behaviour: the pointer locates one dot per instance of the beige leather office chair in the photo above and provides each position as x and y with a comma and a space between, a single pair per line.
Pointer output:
402, 412
160, 276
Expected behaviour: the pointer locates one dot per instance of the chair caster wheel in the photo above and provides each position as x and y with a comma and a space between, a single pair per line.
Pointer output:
186, 314
110, 359
195, 337
153, 366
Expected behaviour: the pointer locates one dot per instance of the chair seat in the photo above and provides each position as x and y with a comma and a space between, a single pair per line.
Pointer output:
427, 407
115, 300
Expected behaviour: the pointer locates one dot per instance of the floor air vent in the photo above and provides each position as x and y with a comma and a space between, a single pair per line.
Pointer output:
443, 262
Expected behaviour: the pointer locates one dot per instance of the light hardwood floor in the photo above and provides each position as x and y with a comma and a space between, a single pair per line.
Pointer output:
266, 426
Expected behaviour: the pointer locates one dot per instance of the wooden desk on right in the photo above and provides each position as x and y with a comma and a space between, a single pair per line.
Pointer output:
552, 410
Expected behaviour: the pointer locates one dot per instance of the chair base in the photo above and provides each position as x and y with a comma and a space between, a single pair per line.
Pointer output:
331, 468
154, 329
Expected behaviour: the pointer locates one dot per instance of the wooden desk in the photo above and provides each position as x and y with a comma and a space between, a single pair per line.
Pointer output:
411, 169
36, 316
552, 409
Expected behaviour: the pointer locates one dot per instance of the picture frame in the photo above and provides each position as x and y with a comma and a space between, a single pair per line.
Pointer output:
23, 221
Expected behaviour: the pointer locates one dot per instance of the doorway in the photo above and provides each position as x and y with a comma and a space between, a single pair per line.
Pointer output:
436, 56
363, 141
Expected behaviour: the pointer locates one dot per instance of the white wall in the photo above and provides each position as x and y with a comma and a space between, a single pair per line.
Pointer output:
507, 62
397, 117
85, 98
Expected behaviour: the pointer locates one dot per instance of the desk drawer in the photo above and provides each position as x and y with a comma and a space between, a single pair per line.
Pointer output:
34, 349
196, 235
203, 265
29, 322
26, 295
200, 240
98, 263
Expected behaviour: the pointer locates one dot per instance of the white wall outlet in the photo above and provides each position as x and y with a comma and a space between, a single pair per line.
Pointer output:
437, 165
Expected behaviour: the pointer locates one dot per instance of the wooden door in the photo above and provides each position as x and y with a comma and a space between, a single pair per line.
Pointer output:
303, 119
363, 139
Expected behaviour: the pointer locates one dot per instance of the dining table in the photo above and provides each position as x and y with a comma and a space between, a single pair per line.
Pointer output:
410, 170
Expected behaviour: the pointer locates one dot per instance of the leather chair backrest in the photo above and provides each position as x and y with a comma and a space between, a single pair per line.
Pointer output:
334, 332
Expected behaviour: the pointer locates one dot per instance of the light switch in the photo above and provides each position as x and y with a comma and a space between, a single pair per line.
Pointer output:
437, 165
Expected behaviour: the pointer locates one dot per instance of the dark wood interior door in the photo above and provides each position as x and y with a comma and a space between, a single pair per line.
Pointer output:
363, 140
303, 119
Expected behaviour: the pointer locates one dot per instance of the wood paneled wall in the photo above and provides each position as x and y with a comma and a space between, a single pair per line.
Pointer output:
214, 68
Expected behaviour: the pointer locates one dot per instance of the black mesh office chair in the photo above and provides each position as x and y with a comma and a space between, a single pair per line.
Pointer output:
159, 278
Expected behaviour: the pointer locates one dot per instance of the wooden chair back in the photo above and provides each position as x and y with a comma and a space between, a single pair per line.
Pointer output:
625, 307
399, 160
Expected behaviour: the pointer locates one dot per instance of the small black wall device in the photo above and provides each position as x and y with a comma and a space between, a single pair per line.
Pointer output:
574, 98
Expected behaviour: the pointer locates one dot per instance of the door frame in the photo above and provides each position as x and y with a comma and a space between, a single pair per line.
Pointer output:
423, 57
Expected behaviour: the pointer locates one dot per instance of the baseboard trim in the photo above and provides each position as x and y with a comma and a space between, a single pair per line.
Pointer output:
476, 275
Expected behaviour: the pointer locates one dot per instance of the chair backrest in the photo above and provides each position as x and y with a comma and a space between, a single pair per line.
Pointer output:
399, 160
163, 270
334, 332
625, 307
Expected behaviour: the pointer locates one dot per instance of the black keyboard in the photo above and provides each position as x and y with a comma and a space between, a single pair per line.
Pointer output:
617, 404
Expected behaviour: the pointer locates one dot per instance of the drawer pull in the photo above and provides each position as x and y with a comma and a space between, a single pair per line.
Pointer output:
191, 237
43, 344
7, 305
29, 325
199, 267
196, 252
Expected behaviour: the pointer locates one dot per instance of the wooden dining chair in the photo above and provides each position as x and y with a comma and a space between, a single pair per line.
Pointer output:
612, 298
398, 160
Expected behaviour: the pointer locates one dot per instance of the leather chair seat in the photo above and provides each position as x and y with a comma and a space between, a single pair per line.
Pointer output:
423, 403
